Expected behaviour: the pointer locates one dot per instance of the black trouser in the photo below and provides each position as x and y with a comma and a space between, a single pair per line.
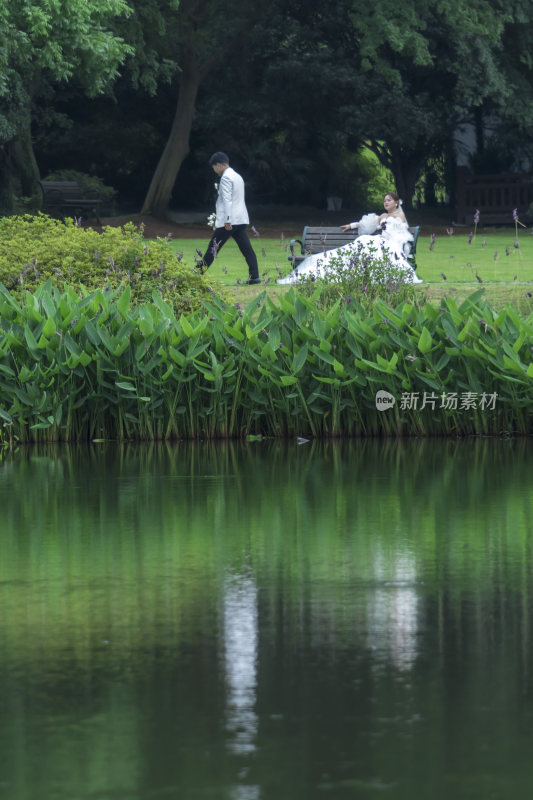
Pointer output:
221, 236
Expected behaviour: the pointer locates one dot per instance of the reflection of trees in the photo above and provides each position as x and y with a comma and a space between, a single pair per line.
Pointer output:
265, 585
135, 538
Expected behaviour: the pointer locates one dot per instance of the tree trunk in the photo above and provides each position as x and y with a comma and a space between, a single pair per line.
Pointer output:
199, 56
404, 166
430, 197
177, 146
19, 173
479, 129
406, 172
7, 193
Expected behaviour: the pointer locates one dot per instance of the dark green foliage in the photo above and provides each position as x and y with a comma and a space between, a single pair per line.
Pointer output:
313, 83
34, 249
90, 184
41, 45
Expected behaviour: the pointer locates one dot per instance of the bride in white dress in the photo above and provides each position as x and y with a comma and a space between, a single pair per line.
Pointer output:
390, 240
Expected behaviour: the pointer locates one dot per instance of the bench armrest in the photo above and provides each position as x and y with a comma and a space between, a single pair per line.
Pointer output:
292, 244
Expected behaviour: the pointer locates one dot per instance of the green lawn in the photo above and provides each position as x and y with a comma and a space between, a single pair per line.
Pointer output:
491, 260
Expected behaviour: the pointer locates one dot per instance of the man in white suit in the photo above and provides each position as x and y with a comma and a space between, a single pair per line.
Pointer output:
231, 216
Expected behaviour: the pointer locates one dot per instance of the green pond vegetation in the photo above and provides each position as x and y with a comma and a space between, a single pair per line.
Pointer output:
117, 337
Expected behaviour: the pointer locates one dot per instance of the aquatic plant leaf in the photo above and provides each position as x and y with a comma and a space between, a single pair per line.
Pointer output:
425, 342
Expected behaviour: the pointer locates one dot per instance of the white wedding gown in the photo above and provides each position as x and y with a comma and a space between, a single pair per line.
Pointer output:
390, 242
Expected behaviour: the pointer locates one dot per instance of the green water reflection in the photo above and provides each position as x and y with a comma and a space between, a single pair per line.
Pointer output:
267, 621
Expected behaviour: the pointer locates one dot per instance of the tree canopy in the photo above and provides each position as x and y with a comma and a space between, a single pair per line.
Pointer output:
293, 90
55, 41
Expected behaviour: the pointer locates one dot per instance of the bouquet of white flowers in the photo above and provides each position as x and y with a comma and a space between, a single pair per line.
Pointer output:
211, 221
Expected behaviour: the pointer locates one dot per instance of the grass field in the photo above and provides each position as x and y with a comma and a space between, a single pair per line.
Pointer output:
451, 265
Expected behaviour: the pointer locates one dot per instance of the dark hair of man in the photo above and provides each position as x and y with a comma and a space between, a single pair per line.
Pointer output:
218, 158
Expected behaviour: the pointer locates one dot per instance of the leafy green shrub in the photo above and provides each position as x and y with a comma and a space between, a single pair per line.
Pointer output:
90, 184
362, 276
24, 204
36, 248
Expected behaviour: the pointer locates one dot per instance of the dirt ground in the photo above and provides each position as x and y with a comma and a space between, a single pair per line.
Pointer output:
186, 230
155, 227
270, 223
195, 230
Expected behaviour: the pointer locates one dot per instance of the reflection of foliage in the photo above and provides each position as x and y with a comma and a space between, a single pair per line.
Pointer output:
158, 546
388, 575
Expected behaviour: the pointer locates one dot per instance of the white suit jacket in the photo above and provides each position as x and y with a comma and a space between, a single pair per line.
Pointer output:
230, 201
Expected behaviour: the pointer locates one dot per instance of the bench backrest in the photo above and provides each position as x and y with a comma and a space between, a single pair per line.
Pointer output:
60, 191
414, 230
319, 240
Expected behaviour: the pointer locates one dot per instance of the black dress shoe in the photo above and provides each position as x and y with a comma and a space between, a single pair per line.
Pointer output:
253, 280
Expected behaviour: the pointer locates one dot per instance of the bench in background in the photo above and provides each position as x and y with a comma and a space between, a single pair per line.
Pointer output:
494, 196
321, 239
68, 199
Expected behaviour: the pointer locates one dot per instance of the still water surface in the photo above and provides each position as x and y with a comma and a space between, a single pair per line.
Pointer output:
267, 622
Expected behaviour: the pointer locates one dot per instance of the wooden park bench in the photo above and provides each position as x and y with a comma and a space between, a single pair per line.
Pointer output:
494, 196
68, 199
322, 239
